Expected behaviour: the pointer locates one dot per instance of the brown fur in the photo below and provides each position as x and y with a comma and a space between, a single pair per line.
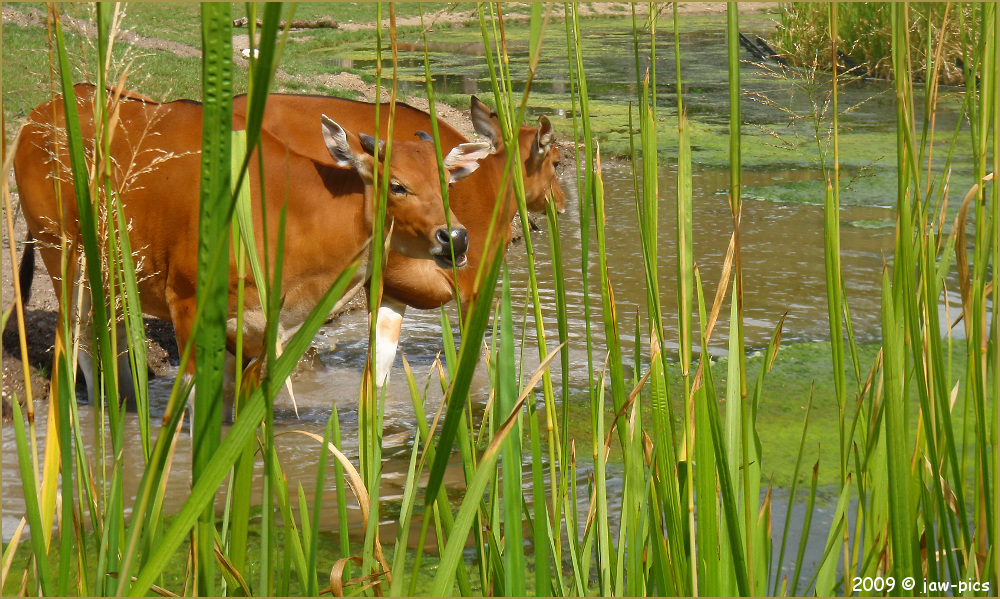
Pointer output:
156, 154
423, 284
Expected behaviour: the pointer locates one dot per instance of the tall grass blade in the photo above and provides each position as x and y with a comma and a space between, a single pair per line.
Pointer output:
713, 567
900, 514
804, 532
32, 509
513, 550
88, 231
210, 340
826, 571
203, 491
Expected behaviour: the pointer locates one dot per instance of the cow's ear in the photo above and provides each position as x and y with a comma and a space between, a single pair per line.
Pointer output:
544, 136
347, 150
542, 143
486, 123
336, 141
464, 159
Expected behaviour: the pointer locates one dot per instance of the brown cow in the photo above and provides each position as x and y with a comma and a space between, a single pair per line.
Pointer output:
156, 168
421, 284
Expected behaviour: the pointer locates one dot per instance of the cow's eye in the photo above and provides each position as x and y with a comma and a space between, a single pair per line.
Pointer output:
397, 189
555, 164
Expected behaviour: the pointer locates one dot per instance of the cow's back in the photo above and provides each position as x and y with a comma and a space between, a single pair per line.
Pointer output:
295, 119
156, 157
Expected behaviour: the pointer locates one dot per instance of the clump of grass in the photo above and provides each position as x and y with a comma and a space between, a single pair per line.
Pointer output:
865, 38
693, 516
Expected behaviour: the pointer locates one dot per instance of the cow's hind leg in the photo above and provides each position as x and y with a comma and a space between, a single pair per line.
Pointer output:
87, 348
182, 314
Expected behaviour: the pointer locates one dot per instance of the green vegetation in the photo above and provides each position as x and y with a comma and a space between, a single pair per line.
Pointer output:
939, 35
686, 507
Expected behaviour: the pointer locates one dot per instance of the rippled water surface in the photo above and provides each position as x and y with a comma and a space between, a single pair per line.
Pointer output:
782, 258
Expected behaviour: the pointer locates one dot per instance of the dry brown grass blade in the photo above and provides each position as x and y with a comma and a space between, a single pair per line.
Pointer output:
720, 294
777, 341
24, 584
876, 366
490, 399
337, 575
436, 365
592, 512
764, 515
647, 448
501, 434
933, 87
949, 495
625, 406
961, 254
443, 377
337, 584
162, 592
189, 566
226, 565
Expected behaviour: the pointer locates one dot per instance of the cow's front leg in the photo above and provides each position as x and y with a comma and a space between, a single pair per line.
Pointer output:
388, 324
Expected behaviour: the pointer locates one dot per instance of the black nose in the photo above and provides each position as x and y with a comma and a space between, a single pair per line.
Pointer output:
458, 239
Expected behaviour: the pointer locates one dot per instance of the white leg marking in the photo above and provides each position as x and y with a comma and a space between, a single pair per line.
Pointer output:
84, 334
388, 324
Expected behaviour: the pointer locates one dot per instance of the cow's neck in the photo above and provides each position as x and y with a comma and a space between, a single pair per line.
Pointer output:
509, 207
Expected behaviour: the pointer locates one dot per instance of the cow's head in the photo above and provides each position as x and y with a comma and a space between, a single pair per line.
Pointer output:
415, 208
539, 156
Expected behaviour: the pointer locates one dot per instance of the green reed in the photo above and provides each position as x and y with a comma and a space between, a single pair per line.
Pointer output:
693, 518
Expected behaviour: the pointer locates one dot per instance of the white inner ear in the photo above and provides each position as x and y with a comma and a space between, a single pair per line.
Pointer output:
336, 142
463, 159
485, 125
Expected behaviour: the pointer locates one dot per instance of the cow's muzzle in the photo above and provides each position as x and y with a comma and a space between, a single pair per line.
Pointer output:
454, 242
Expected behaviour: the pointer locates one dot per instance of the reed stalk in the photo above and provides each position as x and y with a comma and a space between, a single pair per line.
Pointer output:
687, 515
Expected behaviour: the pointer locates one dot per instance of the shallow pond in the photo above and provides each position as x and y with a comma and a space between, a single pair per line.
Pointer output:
782, 250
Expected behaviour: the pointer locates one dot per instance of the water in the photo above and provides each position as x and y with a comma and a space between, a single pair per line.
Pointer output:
782, 252
459, 67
